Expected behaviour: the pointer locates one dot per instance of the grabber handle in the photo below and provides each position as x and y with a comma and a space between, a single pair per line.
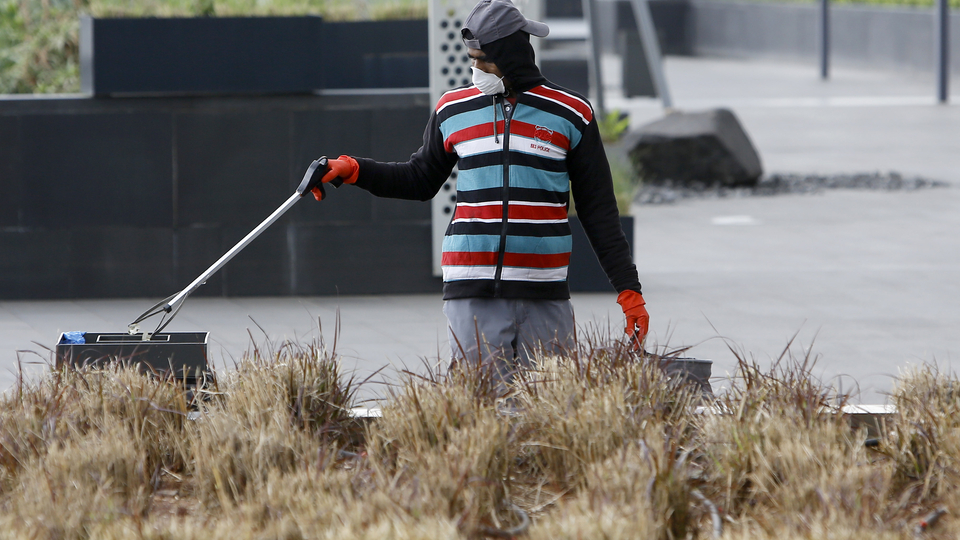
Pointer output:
312, 179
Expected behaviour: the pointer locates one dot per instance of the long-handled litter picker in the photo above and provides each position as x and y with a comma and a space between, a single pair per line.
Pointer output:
183, 354
170, 306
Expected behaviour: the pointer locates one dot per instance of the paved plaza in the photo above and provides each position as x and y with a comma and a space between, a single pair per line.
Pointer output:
868, 281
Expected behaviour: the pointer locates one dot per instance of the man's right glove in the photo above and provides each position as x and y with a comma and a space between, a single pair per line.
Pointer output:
638, 320
344, 167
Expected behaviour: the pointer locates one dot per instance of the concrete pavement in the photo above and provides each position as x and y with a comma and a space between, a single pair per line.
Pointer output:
393, 332
870, 281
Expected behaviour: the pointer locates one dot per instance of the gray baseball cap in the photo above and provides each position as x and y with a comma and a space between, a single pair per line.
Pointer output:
491, 20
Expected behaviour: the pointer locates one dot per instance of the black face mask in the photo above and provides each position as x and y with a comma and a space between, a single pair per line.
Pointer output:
514, 57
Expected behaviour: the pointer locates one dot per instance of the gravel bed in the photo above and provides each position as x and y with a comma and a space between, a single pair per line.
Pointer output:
783, 184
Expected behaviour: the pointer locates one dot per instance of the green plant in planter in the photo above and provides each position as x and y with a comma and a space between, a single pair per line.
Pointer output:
624, 181
613, 125
39, 46
335, 10
206, 8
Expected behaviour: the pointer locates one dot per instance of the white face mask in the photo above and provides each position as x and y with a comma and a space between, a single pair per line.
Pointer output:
488, 83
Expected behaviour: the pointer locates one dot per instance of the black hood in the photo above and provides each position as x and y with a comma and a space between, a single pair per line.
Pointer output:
514, 57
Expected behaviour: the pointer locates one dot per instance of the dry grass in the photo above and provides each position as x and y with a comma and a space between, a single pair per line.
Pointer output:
595, 444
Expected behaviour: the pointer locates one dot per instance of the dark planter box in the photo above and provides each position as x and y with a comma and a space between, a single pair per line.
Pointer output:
585, 273
249, 55
213, 55
185, 353
375, 54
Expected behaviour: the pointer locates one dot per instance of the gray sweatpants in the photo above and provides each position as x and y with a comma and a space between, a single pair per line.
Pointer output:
510, 331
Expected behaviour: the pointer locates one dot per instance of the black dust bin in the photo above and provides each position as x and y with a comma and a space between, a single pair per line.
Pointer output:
185, 353
690, 371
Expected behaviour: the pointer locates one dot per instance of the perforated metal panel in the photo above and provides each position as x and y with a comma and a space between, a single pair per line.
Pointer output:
450, 68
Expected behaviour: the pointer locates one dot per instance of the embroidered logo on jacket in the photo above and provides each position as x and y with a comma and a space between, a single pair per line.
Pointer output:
543, 134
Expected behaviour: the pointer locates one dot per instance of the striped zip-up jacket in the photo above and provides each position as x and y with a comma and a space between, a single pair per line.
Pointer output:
509, 236
510, 225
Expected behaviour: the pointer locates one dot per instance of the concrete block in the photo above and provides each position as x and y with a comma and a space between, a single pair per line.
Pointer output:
709, 147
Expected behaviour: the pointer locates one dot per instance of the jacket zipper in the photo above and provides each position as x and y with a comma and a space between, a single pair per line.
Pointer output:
507, 114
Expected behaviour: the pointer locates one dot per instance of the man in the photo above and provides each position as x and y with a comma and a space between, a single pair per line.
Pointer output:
522, 144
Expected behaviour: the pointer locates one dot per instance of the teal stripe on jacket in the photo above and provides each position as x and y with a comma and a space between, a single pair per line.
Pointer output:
528, 177
480, 178
471, 242
468, 119
548, 245
520, 176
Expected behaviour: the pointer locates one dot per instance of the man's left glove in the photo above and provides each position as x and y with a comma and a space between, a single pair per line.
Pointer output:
638, 320
344, 167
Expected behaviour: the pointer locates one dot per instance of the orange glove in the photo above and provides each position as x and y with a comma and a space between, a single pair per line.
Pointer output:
638, 320
344, 167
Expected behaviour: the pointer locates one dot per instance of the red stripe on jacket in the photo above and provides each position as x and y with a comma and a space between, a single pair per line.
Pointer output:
489, 211
521, 260
473, 132
520, 211
540, 133
457, 94
516, 211
536, 260
577, 104
469, 258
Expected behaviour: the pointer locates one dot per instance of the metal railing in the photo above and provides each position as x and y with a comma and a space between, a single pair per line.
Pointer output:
941, 21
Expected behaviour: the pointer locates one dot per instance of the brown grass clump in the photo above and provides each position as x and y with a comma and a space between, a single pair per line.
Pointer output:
598, 443
277, 412
442, 450
773, 439
81, 447
606, 393
925, 442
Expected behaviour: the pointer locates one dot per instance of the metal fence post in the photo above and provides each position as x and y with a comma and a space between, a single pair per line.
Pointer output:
651, 48
449, 68
824, 39
943, 50
595, 73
